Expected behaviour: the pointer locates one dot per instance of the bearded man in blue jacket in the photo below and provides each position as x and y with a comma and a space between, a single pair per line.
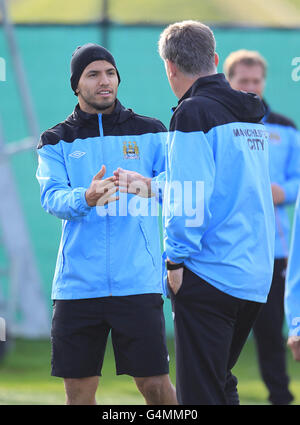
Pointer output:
108, 271
247, 70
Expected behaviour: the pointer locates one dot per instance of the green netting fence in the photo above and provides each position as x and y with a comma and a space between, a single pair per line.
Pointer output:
46, 51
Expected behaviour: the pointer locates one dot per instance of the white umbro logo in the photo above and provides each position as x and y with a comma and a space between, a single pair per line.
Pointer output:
77, 154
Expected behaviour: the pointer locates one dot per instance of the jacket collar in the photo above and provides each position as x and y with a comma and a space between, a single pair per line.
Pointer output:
246, 107
119, 114
268, 110
200, 83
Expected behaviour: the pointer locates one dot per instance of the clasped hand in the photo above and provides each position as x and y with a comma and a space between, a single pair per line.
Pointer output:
100, 191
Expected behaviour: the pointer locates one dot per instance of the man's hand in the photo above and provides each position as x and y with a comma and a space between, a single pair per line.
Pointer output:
133, 182
100, 191
278, 194
175, 278
294, 344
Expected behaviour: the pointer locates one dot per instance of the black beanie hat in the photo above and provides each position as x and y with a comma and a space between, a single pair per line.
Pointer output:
83, 56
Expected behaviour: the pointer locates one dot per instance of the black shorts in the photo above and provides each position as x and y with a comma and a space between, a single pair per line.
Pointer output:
80, 329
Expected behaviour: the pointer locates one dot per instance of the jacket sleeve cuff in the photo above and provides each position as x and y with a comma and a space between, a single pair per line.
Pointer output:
176, 255
80, 201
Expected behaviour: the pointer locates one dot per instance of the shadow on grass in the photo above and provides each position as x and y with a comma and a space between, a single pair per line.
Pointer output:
25, 377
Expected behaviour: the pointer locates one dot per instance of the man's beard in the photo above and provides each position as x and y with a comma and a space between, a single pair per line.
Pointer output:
100, 106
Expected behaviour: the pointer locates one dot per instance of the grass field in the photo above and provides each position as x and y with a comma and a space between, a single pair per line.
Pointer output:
252, 12
25, 373
25, 378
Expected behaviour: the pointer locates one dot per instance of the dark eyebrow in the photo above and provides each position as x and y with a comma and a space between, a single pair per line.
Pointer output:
95, 71
92, 71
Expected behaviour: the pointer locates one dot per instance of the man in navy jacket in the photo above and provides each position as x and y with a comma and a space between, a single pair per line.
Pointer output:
218, 215
219, 268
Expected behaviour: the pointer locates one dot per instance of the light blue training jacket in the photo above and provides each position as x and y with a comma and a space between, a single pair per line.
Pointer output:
221, 226
292, 284
112, 250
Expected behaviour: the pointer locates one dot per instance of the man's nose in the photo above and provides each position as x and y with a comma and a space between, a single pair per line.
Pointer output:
252, 88
103, 80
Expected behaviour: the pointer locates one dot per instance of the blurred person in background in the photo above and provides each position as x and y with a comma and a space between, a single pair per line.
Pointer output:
292, 287
246, 70
108, 272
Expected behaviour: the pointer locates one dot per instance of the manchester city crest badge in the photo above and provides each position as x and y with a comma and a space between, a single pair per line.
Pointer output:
131, 150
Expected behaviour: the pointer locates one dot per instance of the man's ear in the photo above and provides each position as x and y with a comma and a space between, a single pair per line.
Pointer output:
216, 59
171, 68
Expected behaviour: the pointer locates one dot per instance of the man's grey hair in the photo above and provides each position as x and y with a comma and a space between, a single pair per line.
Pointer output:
190, 45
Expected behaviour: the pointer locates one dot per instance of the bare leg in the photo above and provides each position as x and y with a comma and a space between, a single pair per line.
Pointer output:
157, 390
81, 390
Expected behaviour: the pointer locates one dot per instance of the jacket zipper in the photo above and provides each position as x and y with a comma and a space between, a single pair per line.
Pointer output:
106, 217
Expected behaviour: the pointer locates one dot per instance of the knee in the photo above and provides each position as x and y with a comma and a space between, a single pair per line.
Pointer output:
152, 388
80, 391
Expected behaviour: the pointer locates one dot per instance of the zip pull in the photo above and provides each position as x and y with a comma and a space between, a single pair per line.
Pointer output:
100, 125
